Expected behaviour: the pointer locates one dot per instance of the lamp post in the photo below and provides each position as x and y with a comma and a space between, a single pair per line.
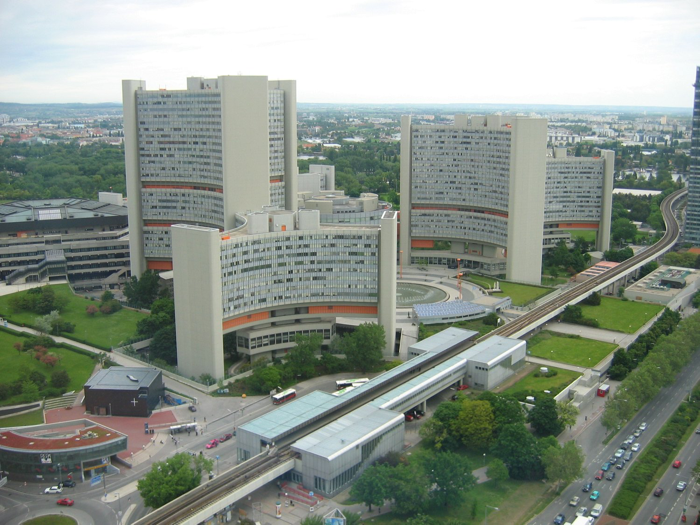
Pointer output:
217, 465
119, 499
59, 475
486, 513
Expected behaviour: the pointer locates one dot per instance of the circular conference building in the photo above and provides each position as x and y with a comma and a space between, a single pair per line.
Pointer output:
75, 449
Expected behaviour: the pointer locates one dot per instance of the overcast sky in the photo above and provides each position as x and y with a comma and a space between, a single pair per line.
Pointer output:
609, 52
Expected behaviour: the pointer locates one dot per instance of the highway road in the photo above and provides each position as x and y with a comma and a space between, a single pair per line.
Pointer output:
655, 414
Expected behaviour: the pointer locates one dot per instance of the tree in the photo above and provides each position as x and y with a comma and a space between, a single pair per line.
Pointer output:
60, 379
172, 478
623, 229
142, 292
491, 319
17, 345
106, 296
567, 413
544, 418
268, 377
91, 310
506, 410
497, 471
518, 449
301, 359
30, 392
572, 314
371, 488
475, 424
450, 476
49, 360
363, 348
164, 345
409, 487
565, 464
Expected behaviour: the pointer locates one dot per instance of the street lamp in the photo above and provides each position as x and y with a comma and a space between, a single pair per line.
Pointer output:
484, 458
119, 499
486, 515
59, 475
217, 465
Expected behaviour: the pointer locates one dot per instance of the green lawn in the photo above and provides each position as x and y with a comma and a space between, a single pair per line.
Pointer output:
35, 417
51, 520
573, 350
521, 294
103, 331
621, 316
588, 235
78, 366
530, 382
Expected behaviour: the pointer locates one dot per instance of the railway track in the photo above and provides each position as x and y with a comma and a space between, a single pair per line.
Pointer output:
188, 505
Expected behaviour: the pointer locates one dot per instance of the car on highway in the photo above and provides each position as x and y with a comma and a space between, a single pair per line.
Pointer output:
587, 487
697, 430
677, 463
225, 437
612, 460
655, 518
620, 464
574, 501
619, 452
630, 439
610, 476
65, 501
628, 455
643, 427
605, 467
658, 492
637, 433
597, 510
212, 444
559, 519
636, 447
582, 511
624, 445
599, 474
192, 408
594, 495
681, 486
53, 490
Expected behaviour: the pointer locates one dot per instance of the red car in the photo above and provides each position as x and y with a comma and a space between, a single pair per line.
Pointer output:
655, 518
462, 387
600, 475
66, 501
226, 437
213, 443
408, 417
677, 464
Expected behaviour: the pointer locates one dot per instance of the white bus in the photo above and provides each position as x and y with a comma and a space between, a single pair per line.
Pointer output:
343, 391
344, 383
283, 396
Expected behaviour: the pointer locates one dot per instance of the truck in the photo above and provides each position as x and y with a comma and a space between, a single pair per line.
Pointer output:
583, 520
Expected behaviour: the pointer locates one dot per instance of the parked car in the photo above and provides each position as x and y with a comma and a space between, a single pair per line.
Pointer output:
574, 501
225, 437
594, 495
462, 387
658, 492
67, 483
53, 490
587, 487
408, 417
605, 467
213, 443
559, 519
600, 474
192, 408
681, 486
610, 476
66, 501
677, 463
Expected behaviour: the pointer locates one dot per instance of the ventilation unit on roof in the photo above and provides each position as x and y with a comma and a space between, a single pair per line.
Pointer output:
132, 378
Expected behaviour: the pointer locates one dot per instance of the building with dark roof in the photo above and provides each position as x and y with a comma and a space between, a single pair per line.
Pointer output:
73, 449
76, 239
124, 391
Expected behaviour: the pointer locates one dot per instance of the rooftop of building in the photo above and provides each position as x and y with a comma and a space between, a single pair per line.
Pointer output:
492, 350
123, 378
53, 209
80, 433
658, 282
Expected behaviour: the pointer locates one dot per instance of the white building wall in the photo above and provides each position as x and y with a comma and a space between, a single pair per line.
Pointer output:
387, 279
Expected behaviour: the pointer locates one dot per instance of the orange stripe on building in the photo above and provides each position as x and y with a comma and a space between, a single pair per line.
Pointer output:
275, 180
180, 187
245, 319
160, 265
422, 243
343, 309
578, 225
159, 224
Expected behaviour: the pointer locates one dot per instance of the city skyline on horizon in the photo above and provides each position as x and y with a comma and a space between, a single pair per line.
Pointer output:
616, 53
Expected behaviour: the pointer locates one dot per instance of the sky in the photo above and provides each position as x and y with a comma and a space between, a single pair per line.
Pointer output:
595, 52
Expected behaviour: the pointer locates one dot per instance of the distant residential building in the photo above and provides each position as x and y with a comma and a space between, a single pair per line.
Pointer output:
486, 185
200, 155
692, 214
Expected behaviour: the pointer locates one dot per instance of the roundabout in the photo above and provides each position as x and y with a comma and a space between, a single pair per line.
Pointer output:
408, 294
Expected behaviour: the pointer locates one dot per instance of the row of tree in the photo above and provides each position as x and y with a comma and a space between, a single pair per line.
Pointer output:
669, 355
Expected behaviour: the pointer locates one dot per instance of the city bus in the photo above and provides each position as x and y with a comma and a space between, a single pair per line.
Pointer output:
283, 396
344, 383
343, 391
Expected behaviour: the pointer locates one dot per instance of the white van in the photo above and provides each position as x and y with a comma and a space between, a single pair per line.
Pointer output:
597, 510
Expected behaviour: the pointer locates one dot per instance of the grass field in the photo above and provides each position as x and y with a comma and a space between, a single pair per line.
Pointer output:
51, 520
521, 294
567, 349
619, 315
101, 330
23, 420
514, 499
530, 382
588, 235
78, 366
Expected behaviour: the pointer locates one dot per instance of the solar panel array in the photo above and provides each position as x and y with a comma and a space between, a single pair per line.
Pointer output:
448, 309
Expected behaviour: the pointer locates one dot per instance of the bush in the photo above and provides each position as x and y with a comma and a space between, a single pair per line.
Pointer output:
51, 392
60, 379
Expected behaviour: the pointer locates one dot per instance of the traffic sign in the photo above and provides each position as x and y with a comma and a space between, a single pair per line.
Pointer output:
96, 480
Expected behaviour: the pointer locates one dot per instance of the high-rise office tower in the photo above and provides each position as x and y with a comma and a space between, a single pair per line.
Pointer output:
487, 186
692, 214
199, 155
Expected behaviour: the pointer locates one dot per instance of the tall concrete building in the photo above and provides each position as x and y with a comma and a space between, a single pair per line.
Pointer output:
199, 155
276, 275
488, 187
692, 213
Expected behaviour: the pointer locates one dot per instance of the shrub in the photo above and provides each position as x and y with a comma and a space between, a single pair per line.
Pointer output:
5, 391
60, 379
106, 309
51, 392
91, 310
